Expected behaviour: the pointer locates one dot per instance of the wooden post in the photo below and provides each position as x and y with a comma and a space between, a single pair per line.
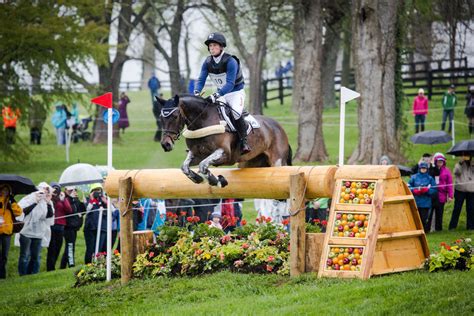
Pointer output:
280, 89
265, 91
297, 225
126, 228
141, 239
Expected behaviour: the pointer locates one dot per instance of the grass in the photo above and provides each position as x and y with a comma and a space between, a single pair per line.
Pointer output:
223, 293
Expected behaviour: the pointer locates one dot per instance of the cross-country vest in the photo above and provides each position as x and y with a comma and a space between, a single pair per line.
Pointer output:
218, 72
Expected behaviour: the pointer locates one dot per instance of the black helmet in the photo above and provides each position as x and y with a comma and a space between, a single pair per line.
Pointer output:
216, 38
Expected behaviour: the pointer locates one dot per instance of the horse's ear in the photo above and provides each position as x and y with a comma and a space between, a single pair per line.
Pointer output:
160, 100
176, 99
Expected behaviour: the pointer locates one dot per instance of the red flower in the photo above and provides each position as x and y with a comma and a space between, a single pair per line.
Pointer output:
270, 258
324, 222
245, 246
151, 254
458, 241
316, 221
269, 268
208, 222
189, 219
243, 222
196, 219
182, 213
285, 222
268, 219
448, 247
116, 252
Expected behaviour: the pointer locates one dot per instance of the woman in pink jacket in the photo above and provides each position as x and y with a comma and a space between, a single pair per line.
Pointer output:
445, 191
420, 110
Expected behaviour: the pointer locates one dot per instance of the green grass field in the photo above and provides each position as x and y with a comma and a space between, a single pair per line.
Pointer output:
226, 293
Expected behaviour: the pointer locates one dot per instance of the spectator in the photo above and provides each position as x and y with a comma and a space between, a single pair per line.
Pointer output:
216, 220
420, 110
94, 204
385, 160
61, 209
463, 190
115, 229
8, 209
203, 208
445, 192
59, 119
229, 220
161, 216
10, 118
73, 224
154, 86
449, 103
39, 216
469, 110
123, 121
37, 116
423, 186
427, 157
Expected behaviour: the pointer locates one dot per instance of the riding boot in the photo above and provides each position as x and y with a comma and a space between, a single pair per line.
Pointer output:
241, 127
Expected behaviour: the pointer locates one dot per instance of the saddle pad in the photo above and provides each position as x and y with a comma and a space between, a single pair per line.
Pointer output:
252, 122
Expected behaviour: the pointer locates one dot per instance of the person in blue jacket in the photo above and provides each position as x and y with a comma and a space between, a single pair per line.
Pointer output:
423, 186
59, 119
226, 73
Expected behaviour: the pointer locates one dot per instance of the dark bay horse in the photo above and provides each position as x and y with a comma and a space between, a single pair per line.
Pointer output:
269, 142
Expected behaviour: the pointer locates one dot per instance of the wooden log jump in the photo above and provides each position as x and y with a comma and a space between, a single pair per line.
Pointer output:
266, 183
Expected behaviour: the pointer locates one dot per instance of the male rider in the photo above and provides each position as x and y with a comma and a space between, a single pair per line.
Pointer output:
225, 71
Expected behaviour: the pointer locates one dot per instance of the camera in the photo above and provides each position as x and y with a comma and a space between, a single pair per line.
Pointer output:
97, 195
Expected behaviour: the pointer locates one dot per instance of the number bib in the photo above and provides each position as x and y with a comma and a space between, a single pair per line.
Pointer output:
219, 79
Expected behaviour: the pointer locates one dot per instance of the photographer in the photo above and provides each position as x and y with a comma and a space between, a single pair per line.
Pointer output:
61, 208
39, 216
94, 204
73, 224
8, 209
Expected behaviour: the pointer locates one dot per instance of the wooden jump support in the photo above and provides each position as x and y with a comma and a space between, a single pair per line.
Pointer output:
393, 240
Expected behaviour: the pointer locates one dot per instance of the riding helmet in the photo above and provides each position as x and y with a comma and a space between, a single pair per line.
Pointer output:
216, 38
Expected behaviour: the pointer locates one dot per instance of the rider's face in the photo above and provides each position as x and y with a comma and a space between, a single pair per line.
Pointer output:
215, 49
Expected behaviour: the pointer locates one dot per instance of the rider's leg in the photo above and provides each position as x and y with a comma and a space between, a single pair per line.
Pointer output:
236, 101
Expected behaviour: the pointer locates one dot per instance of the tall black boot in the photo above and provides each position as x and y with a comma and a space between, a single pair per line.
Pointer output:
241, 127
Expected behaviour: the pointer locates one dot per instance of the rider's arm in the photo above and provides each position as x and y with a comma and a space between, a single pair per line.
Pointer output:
232, 68
202, 77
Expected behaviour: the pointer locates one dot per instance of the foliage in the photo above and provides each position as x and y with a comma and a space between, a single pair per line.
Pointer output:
264, 250
96, 271
459, 255
316, 226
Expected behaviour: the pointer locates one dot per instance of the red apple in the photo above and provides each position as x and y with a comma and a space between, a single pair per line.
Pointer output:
348, 184
346, 260
354, 262
351, 234
329, 262
340, 228
350, 250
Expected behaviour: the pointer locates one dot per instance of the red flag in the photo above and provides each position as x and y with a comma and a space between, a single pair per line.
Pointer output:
104, 100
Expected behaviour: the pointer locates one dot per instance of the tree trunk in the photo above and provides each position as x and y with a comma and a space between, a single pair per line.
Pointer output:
330, 51
346, 54
255, 99
308, 53
374, 48
149, 60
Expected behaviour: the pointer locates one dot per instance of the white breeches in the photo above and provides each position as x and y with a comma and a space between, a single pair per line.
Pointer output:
236, 101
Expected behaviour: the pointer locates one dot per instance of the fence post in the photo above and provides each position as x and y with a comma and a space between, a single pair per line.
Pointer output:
430, 82
297, 224
126, 229
280, 89
265, 91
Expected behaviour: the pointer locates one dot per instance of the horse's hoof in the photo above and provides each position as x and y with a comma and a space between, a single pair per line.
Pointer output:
196, 179
213, 180
222, 181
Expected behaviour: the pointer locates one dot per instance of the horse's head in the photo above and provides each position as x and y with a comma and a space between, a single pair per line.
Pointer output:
171, 121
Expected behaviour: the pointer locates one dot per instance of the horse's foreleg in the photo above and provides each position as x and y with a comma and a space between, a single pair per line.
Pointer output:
188, 172
206, 173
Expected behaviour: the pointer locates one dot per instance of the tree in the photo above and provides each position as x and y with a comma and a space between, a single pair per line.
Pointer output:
39, 41
374, 25
307, 98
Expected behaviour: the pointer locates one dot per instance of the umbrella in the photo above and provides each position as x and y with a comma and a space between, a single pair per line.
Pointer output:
463, 147
80, 173
431, 137
405, 171
19, 184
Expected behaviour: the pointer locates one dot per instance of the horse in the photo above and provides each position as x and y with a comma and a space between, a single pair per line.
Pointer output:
210, 144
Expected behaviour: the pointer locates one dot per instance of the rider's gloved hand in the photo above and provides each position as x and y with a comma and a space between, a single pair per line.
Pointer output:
197, 93
213, 97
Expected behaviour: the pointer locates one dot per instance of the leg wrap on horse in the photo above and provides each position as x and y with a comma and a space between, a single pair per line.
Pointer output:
241, 126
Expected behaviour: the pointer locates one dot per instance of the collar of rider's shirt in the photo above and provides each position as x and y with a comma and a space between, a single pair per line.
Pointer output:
218, 58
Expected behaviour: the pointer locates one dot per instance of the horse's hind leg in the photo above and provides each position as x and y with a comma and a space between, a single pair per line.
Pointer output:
188, 172
206, 173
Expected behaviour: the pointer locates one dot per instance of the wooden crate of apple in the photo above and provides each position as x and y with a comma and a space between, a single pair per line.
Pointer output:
345, 258
350, 225
357, 192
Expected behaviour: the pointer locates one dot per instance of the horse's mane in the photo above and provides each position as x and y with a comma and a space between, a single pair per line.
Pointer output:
190, 98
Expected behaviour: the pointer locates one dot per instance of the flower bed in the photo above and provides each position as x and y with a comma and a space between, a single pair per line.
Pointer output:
458, 255
96, 271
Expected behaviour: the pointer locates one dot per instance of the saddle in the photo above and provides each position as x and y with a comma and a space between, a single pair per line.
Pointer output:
227, 119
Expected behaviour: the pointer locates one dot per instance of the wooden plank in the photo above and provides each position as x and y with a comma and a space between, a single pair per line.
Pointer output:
298, 225
393, 187
127, 255
396, 218
398, 254
347, 242
396, 270
367, 172
374, 225
398, 199
400, 235
243, 183
314, 250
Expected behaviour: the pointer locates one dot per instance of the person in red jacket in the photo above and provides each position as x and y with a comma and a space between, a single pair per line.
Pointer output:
420, 110
62, 207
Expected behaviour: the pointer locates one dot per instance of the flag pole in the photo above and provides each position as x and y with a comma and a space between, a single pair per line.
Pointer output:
345, 96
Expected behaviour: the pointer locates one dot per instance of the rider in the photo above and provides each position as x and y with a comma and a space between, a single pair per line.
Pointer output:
226, 73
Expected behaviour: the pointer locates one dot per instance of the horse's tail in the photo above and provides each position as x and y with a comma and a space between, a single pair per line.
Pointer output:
289, 159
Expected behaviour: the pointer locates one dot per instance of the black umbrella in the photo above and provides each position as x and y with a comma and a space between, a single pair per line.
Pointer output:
431, 137
405, 171
463, 147
19, 184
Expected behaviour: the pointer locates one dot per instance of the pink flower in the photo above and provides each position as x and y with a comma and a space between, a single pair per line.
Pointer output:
269, 268
151, 254
270, 258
